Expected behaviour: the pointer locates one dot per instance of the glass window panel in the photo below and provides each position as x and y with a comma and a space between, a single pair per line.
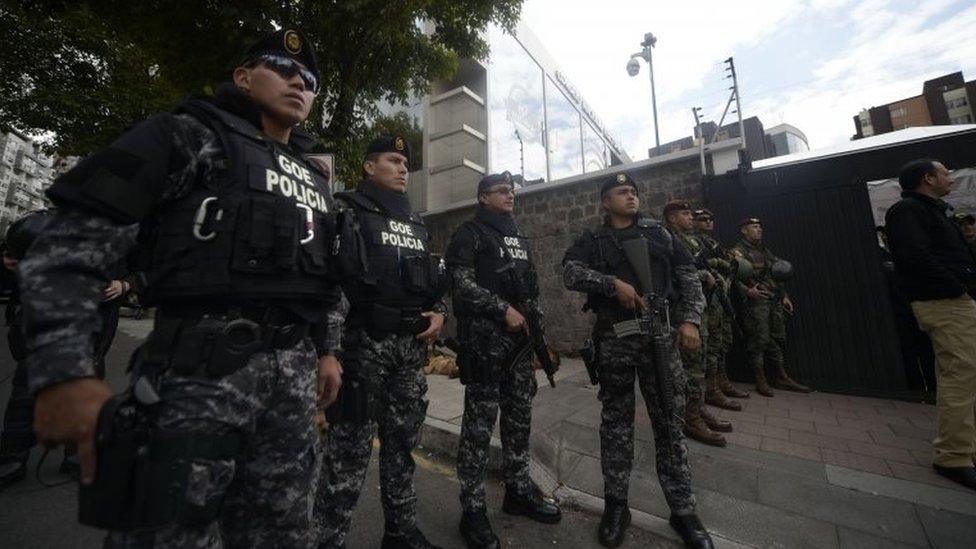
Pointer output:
515, 110
563, 122
594, 150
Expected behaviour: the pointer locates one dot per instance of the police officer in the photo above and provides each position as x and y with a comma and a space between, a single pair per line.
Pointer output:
395, 313
596, 265
238, 223
764, 304
721, 319
492, 273
17, 437
700, 424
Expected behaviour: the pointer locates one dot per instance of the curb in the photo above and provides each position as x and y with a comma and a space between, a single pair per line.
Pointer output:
443, 437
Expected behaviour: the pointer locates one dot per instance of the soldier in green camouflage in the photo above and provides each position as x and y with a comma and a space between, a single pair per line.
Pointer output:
700, 424
720, 315
763, 320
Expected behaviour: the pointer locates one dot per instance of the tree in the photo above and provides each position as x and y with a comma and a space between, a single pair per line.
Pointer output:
82, 72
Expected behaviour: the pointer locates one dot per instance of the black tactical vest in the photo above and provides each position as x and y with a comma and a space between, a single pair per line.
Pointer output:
610, 259
400, 271
261, 230
505, 263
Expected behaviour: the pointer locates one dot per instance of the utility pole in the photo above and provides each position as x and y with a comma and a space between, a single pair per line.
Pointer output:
735, 93
701, 138
633, 68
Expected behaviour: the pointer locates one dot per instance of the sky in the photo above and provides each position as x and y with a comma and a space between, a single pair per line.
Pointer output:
810, 63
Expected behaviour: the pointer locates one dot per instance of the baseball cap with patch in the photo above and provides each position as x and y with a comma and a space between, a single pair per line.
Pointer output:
619, 180
749, 221
702, 214
490, 180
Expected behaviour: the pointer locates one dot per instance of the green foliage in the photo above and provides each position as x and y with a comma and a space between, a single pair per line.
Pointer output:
82, 72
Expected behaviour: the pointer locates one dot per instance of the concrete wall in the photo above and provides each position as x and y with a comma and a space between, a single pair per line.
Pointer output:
552, 215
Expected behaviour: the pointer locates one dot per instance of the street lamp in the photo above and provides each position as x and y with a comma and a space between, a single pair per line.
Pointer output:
633, 69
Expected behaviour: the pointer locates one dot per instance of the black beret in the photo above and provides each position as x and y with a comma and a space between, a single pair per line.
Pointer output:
389, 144
676, 206
286, 43
749, 221
492, 179
703, 213
619, 180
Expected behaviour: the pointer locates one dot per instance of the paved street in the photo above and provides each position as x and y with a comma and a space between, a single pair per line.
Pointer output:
32, 516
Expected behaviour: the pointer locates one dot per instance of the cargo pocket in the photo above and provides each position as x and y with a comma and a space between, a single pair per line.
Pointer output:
206, 486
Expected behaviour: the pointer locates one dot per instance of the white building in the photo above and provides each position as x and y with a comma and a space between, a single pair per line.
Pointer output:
515, 112
25, 173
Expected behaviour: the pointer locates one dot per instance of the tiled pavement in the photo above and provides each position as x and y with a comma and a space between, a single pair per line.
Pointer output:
814, 470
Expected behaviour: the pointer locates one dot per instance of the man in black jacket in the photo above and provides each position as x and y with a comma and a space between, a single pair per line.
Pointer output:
938, 274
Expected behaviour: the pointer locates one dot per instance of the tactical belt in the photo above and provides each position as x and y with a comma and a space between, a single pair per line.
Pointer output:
382, 321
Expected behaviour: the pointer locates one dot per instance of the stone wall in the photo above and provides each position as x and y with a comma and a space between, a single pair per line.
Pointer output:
553, 215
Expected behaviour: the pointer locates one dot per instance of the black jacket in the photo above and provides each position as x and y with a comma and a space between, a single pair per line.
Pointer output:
931, 257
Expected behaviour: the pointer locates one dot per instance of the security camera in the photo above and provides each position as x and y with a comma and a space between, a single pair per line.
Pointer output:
633, 67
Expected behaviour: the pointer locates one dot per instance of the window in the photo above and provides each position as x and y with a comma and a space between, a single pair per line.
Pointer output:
964, 119
594, 150
563, 124
956, 103
899, 112
515, 109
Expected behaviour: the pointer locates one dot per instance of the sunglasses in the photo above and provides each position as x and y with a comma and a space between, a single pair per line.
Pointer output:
502, 190
287, 67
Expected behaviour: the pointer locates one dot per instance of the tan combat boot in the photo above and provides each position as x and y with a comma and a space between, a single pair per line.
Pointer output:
714, 422
727, 388
715, 397
696, 429
761, 386
786, 383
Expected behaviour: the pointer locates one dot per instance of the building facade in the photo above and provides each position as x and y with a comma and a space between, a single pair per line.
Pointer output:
25, 173
515, 112
945, 100
720, 150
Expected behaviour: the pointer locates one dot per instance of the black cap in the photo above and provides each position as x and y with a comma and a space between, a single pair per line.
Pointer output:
492, 179
389, 144
22, 232
963, 217
749, 221
286, 43
619, 180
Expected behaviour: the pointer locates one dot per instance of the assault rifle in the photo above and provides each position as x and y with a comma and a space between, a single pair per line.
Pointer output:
652, 323
525, 304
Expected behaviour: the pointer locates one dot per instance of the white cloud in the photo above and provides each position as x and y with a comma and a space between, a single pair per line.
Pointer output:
891, 48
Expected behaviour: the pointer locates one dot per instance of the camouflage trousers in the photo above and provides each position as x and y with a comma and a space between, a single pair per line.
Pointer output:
265, 493
622, 362
511, 392
694, 364
718, 343
765, 331
394, 369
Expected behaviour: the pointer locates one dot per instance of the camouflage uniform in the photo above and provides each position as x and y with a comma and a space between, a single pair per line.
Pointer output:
624, 360
763, 319
695, 361
381, 364
492, 383
720, 327
269, 402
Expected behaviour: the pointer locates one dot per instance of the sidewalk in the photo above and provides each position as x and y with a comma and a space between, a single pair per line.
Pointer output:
815, 470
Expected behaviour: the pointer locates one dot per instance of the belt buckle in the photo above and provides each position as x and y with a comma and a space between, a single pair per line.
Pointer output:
245, 327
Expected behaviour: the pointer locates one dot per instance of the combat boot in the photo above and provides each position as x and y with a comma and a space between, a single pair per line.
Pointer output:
11, 472
714, 422
691, 531
613, 525
786, 383
477, 533
532, 505
405, 539
728, 389
762, 387
715, 397
696, 429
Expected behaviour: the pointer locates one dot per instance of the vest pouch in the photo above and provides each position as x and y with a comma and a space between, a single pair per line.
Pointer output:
315, 253
267, 236
416, 274
347, 248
